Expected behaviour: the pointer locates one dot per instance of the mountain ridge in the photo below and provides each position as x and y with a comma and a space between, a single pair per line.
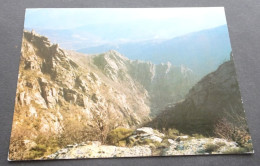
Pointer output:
212, 45
61, 95
212, 101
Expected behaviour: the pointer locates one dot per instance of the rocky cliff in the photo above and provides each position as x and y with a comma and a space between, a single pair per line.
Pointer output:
70, 97
213, 98
163, 83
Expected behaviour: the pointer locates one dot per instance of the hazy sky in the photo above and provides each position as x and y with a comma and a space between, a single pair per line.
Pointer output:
75, 28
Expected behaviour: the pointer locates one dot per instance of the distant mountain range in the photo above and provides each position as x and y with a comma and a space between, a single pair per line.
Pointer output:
201, 51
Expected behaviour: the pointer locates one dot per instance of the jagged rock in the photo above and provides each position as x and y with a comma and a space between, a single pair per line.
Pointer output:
48, 92
95, 98
82, 84
143, 134
145, 131
70, 95
29, 144
31, 63
82, 100
153, 138
150, 76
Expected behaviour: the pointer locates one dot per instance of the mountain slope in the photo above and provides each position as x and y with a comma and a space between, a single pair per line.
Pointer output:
58, 99
214, 98
169, 83
64, 97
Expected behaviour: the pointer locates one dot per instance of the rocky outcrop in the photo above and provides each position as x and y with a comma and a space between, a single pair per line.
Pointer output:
164, 83
51, 76
147, 142
95, 150
143, 134
214, 97
55, 92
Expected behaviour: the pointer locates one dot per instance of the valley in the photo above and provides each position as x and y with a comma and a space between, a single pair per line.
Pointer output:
74, 105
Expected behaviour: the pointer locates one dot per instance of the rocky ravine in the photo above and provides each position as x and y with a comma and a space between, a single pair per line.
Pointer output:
82, 97
151, 143
163, 82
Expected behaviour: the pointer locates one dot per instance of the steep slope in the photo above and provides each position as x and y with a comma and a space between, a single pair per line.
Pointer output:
71, 97
212, 99
59, 99
68, 97
164, 83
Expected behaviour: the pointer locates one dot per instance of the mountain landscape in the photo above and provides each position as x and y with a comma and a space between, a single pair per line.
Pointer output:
87, 105
211, 45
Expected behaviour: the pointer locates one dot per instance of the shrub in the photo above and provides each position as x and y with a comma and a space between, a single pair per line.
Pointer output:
172, 133
220, 144
147, 142
117, 135
227, 130
247, 148
122, 143
210, 147
36, 152
233, 126
239, 150
160, 145
198, 136
76, 131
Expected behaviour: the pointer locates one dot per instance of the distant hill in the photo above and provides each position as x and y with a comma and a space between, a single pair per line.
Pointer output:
192, 50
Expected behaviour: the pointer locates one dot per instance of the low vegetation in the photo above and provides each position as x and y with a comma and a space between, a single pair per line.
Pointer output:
117, 136
236, 131
171, 133
211, 147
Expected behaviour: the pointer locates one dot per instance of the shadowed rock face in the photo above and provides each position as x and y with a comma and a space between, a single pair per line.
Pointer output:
212, 98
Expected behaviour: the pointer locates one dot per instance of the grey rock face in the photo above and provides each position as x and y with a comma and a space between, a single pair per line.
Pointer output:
164, 83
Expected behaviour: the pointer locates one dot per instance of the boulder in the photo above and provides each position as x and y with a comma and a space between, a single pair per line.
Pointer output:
144, 135
145, 131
